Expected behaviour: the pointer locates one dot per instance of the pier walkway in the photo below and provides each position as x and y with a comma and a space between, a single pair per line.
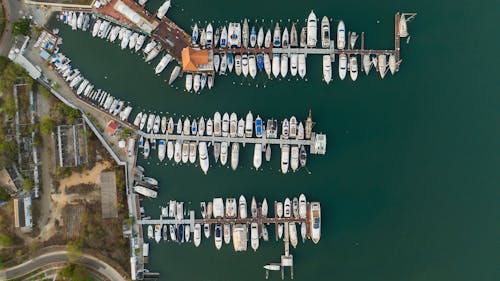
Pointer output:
317, 142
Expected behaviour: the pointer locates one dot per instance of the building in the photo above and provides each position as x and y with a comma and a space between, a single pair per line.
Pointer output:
71, 144
16, 55
108, 195
125, 9
196, 60
112, 128
22, 214
10, 181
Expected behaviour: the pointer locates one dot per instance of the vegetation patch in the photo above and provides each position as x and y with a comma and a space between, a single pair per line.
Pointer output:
81, 189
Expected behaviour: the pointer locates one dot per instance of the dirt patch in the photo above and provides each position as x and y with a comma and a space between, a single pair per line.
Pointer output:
81, 189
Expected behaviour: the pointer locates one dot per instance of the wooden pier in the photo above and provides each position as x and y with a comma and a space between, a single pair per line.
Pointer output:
172, 38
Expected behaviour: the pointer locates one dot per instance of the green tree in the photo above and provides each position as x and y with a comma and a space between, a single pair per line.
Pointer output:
75, 249
47, 125
8, 153
5, 240
4, 195
27, 184
74, 272
21, 27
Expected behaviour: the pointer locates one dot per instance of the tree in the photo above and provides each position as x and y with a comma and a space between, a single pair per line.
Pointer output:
47, 125
5, 240
75, 249
74, 272
8, 153
27, 184
21, 27
4, 195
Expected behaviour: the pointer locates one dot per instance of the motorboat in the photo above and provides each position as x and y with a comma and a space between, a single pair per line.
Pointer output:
139, 42
276, 65
267, 65
303, 156
217, 125
203, 38
196, 83
260, 37
382, 65
325, 33
165, 232
209, 209
277, 36
165, 60
257, 156
227, 233
302, 65
294, 41
180, 210
268, 152
268, 39
403, 28
233, 125
327, 68
206, 230
137, 119
285, 129
172, 208
392, 63
145, 191
293, 234
209, 35
95, 29
285, 157
170, 150
244, 64
265, 234
185, 152
249, 125
280, 230
216, 62
217, 151
218, 236
253, 207
294, 61
195, 34
154, 52
156, 124
177, 152
265, 208
312, 30
162, 148
244, 33
287, 208
157, 233
179, 127
235, 154
223, 152
203, 80
309, 124
253, 37
258, 127
241, 128
223, 63
353, 68
272, 129
242, 203
194, 127
295, 207
237, 64
285, 38
150, 232
302, 206
234, 35
303, 37
260, 62
203, 209
353, 37
210, 127
254, 236
230, 62
146, 149
231, 208
315, 221
162, 11
279, 209
173, 232
187, 233
192, 152
367, 64
293, 127
342, 66
252, 66
133, 41
197, 235
189, 82
284, 65
203, 152
225, 125
223, 38
294, 161
149, 47
186, 129
341, 35
163, 126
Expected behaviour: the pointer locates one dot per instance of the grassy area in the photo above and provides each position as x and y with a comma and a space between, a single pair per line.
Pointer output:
73, 2
3, 20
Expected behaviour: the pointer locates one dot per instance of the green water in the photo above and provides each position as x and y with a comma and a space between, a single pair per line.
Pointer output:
409, 184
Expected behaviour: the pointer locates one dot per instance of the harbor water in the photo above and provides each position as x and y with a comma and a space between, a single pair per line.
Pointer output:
409, 184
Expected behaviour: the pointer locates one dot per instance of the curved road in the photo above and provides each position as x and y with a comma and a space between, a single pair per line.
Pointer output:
57, 257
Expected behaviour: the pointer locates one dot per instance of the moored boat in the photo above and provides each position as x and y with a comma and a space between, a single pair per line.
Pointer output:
260, 37
192, 152
218, 236
294, 41
285, 157
249, 125
203, 152
277, 36
294, 158
258, 127
185, 152
382, 65
257, 155
327, 68
392, 63
342, 66
197, 234
242, 203
223, 152
302, 206
315, 222
367, 64
341, 35
325, 33
227, 233
284, 65
353, 68
235, 152
293, 234
276, 65
302, 65
312, 32
303, 156
254, 236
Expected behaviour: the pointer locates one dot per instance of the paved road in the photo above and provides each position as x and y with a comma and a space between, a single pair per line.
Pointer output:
57, 257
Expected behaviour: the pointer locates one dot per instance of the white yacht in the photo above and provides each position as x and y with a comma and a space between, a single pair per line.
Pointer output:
192, 152
227, 233
293, 127
382, 65
315, 221
241, 128
185, 152
163, 127
244, 65
260, 37
231, 208
253, 37
201, 126
341, 35
225, 125
223, 63
237, 64
265, 234
294, 161
162, 147
234, 35
242, 203
277, 36
165, 60
186, 129
294, 64
327, 68
342, 66
265, 208
293, 234
244, 33
179, 127
280, 230
294, 40
223, 152
209, 35
267, 65
233, 125
257, 155
223, 38
285, 157
303, 37
353, 68
303, 231
284, 65
196, 83
154, 52
170, 150
285, 129
150, 232
137, 119
392, 63
295, 207
252, 66
249, 125
210, 127
151, 120
302, 65
403, 28
218, 236
285, 38
279, 209
235, 154
206, 230
177, 152
158, 233
216, 62
325, 33
140, 42
197, 235
276, 65
187, 232
302, 206
367, 64
203, 152
267, 39
312, 30
217, 125
145, 191
254, 236
162, 11
287, 208
189, 82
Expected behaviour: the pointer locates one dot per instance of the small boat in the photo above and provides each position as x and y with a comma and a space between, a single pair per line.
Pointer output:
302, 206
145, 191
149, 47
294, 158
227, 233
303, 37
189, 82
209, 35
294, 62
382, 65
186, 127
172, 208
154, 52
201, 126
260, 61
225, 125
162, 148
163, 126
210, 81
244, 33
285, 129
218, 236
303, 156
242, 203
403, 28
265, 234
267, 65
353, 68
268, 153
285, 38
342, 66
165, 232
192, 152
254, 236
285, 157
241, 128
325, 33
309, 124
341, 35
249, 125
267, 39
194, 127
179, 127
230, 62
237, 64
216, 63
203, 80
194, 34
231, 208
327, 68
177, 152
276, 65
252, 66
293, 127
284, 65
204, 161
223, 152
312, 32
216, 151
210, 127
173, 231
137, 119
146, 149
392, 63
223, 64
280, 230
253, 207
293, 234
367, 64
279, 209
203, 209
295, 207
162, 11
196, 83
197, 235
209, 209
187, 233
257, 156
353, 37
315, 222
150, 232
277, 36
203, 38
206, 230
234, 35
302, 65
223, 38
235, 152
253, 37
185, 152
260, 37
244, 64
233, 125
264, 209
294, 39
258, 127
